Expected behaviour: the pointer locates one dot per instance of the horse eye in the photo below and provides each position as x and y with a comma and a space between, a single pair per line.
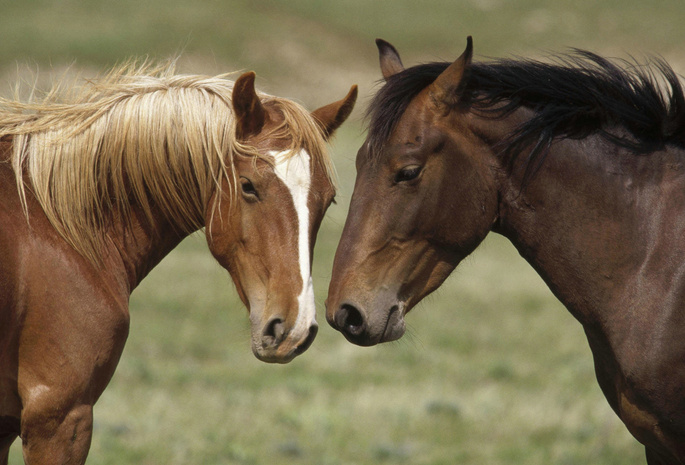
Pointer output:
248, 188
408, 173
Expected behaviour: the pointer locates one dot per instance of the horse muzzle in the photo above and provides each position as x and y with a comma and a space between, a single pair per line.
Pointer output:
276, 343
383, 324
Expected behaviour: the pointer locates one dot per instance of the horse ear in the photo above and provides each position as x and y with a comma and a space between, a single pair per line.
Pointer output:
391, 63
331, 116
446, 89
249, 113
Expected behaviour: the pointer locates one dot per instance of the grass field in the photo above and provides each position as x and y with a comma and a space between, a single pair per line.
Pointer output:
493, 370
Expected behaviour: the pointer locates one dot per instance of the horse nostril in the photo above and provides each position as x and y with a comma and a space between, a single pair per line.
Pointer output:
350, 319
273, 332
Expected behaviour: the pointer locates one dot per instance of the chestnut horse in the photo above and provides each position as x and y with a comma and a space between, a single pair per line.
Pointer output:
94, 192
579, 163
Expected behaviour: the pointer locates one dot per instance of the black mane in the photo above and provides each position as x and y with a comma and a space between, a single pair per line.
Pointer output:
578, 95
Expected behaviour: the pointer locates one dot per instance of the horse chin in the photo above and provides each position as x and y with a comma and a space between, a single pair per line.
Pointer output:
271, 357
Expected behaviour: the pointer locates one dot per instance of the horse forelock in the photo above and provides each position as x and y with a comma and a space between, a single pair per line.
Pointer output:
392, 100
140, 132
304, 133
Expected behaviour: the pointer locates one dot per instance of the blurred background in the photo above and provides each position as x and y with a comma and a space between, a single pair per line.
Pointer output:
493, 370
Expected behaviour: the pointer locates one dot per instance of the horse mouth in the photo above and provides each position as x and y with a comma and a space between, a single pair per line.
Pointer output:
271, 356
394, 325
307, 342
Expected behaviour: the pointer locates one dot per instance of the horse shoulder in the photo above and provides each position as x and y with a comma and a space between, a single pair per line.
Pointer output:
74, 315
62, 317
646, 332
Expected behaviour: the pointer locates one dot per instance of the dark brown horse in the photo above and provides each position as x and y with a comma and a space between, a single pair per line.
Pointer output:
94, 192
580, 163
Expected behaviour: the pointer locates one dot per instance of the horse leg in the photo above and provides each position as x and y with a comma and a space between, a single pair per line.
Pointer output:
5, 444
51, 437
6, 440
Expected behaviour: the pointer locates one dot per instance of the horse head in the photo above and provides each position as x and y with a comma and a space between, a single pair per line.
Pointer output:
424, 198
262, 223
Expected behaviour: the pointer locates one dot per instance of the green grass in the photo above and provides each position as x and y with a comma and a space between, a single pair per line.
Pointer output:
493, 369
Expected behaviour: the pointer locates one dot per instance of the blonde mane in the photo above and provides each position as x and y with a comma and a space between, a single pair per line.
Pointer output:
139, 135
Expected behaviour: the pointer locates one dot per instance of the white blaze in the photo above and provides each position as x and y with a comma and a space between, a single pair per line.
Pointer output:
294, 170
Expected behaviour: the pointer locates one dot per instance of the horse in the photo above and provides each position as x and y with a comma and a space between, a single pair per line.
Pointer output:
577, 160
98, 186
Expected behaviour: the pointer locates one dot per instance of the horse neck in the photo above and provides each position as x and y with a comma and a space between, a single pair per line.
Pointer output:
140, 243
589, 218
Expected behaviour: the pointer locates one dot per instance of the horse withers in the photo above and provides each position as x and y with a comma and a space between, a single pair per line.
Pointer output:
95, 191
579, 163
